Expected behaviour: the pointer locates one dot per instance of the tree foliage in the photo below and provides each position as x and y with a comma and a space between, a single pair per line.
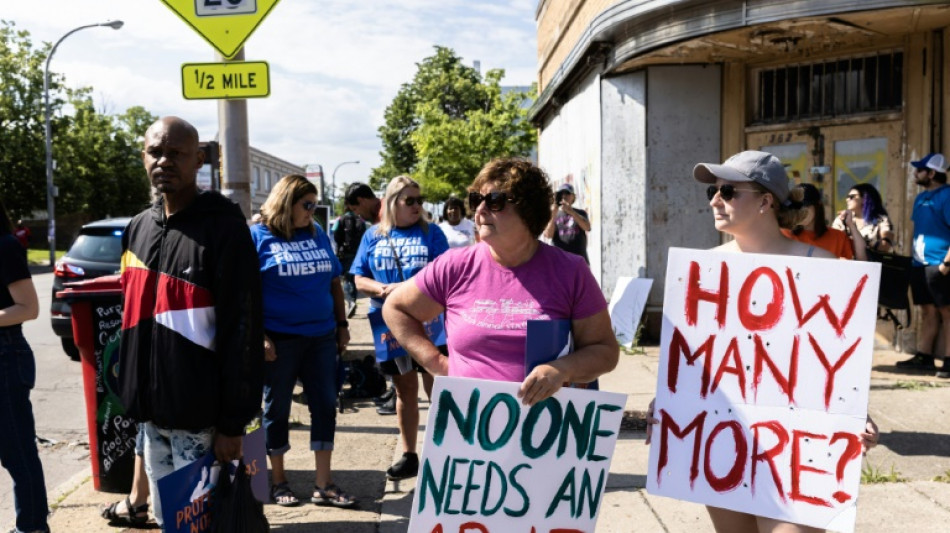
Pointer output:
448, 122
98, 165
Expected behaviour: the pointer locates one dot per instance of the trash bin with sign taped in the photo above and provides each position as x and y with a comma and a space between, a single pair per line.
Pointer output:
97, 321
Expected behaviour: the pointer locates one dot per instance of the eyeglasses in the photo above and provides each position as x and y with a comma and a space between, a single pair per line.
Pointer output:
726, 192
494, 201
413, 200
310, 206
853, 196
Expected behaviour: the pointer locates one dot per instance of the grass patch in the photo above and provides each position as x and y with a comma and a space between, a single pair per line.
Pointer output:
943, 478
635, 347
917, 385
870, 474
39, 256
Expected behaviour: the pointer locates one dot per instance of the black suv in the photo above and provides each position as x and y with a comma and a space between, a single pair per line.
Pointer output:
96, 252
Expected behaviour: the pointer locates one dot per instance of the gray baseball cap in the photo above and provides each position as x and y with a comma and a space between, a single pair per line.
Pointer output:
749, 166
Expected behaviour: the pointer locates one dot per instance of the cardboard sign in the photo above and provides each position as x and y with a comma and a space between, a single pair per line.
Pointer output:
187, 493
763, 382
493, 465
386, 345
626, 307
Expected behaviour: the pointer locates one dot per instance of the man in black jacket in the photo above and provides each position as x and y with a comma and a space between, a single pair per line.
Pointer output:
362, 208
192, 351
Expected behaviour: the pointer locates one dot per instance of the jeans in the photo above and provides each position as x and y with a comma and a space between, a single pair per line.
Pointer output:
167, 450
18, 452
313, 360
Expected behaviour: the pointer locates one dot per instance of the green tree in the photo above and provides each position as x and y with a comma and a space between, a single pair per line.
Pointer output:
98, 164
447, 123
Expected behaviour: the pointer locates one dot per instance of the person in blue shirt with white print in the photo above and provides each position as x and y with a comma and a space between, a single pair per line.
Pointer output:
391, 253
930, 273
305, 330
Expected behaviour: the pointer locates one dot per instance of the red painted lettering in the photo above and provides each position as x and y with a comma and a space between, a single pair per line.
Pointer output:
831, 370
798, 468
775, 307
472, 526
667, 425
694, 294
769, 455
851, 452
734, 476
732, 354
837, 323
679, 346
787, 384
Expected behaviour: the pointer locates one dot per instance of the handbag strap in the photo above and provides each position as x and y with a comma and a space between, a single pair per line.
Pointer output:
396, 255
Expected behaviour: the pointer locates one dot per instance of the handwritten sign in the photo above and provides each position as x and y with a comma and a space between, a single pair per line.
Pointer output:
115, 431
762, 389
493, 465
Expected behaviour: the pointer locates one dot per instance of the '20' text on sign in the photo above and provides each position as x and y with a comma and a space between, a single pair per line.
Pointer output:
239, 79
762, 388
493, 465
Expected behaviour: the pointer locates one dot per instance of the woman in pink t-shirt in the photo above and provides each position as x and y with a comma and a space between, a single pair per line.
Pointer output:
490, 290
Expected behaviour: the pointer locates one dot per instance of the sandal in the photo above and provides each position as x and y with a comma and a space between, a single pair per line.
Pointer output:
332, 495
282, 495
132, 517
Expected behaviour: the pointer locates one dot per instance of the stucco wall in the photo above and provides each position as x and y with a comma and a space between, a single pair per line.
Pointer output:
569, 151
683, 128
624, 249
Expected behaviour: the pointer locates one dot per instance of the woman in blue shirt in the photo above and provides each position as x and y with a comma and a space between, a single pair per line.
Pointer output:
390, 253
305, 330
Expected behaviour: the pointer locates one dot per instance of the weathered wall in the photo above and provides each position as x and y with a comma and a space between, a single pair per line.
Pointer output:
569, 151
624, 248
683, 128
560, 26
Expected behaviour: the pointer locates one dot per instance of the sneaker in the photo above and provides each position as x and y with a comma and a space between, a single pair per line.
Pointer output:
406, 467
388, 408
385, 397
919, 361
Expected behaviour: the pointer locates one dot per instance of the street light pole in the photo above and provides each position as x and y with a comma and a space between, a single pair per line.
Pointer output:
333, 181
50, 202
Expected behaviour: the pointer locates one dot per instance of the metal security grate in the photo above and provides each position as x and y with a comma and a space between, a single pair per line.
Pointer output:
834, 88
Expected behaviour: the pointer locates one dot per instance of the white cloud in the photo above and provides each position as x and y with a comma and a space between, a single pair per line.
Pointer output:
335, 64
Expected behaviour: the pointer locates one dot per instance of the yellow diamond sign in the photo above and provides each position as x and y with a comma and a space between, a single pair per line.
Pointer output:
225, 24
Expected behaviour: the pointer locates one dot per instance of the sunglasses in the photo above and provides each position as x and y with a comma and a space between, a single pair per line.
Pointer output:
494, 201
413, 200
310, 206
726, 192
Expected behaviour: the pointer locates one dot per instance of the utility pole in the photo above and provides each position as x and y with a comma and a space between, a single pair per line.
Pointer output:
235, 147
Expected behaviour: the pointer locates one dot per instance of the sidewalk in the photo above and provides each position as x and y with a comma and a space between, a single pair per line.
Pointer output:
912, 410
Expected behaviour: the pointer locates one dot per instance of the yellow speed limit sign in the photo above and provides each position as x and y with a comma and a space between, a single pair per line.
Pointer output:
225, 81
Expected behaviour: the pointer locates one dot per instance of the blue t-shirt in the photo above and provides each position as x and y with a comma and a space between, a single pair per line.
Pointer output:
295, 280
931, 226
414, 247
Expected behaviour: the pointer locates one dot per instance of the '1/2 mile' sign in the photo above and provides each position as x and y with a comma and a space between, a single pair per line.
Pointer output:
231, 80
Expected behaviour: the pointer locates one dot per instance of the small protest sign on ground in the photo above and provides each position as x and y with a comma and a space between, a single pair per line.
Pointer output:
626, 307
762, 388
492, 465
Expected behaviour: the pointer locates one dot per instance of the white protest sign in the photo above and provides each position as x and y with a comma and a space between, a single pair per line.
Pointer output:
626, 307
493, 465
763, 382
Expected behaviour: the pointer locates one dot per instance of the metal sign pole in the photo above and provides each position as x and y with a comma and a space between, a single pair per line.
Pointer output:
235, 147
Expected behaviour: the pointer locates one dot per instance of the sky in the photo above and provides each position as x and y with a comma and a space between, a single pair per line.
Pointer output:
334, 64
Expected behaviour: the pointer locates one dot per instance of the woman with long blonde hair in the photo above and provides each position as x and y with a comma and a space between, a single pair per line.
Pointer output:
391, 253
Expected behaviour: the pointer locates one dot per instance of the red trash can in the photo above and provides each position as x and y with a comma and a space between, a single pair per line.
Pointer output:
97, 320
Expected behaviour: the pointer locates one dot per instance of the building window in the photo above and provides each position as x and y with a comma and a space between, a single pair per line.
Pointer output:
267, 180
256, 184
835, 88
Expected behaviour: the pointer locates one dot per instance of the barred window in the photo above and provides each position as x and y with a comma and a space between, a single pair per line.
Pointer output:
834, 88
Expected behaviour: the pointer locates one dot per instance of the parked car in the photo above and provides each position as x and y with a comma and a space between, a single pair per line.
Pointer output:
96, 252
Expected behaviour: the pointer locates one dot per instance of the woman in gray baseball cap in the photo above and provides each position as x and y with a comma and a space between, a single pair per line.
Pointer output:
751, 200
